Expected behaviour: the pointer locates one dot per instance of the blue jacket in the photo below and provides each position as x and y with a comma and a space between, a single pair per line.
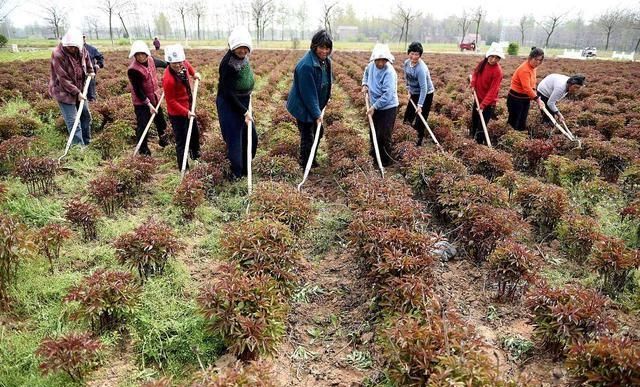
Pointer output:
418, 79
95, 55
304, 98
382, 84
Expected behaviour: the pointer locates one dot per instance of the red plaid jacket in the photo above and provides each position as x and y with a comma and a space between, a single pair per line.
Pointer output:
68, 74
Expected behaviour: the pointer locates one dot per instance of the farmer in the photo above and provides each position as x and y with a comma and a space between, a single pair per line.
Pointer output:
485, 80
420, 89
97, 60
156, 43
380, 81
177, 91
523, 90
555, 87
145, 92
310, 92
234, 92
70, 66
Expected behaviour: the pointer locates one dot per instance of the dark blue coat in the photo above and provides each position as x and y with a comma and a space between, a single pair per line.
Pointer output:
95, 55
304, 98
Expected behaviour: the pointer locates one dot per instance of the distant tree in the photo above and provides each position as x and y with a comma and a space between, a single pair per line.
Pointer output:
464, 22
406, 16
262, 12
550, 24
328, 12
93, 24
608, 21
634, 21
163, 27
199, 9
477, 18
54, 15
110, 7
6, 7
526, 22
183, 9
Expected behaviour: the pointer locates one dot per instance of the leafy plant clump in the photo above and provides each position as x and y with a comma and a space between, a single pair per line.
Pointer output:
513, 266
614, 262
74, 354
84, 215
283, 203
605, 362
50, 238
15, 245
105, 190
189, 195
37, 173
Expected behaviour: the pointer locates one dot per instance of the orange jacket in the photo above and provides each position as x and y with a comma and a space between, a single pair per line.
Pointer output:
523, 80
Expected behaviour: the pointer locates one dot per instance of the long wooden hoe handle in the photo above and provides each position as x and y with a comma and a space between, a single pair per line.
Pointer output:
316, 140
76, 122
433, 136
188, 142
374, 136
484, 124
146, 129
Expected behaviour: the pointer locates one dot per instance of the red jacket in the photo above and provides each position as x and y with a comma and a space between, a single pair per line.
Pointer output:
487, 84
175, 93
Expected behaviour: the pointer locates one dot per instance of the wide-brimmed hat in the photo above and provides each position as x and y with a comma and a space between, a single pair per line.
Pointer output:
381, 51
495, 50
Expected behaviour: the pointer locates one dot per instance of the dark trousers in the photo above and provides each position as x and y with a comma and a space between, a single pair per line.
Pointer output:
411, 118
518, 111
143, 115
384, 121
180, 127
307, 135
91, 91
477, 132
234, 133
545, 118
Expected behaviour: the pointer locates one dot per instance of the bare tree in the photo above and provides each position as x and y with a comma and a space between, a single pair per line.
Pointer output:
477, 18
328, 11
124, 26
525, 22
6, 7
110, 7
282, 18
406, 16
199, 9
634, 20
464, 22
608, 21
262, 12
93, 24
301, 16
54, 15
183, 9
550, 24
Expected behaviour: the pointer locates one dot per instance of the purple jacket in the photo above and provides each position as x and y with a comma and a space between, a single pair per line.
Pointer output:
68, 74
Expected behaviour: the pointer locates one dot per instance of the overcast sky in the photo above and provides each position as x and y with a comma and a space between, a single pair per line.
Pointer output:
509, 10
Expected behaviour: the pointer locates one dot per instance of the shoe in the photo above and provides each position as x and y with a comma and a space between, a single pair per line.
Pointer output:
419, 142
163, 141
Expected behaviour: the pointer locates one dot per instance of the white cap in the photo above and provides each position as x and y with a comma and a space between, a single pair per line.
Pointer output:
174, 53
139, 46
381, 51
240, 37
496, 50
73, 38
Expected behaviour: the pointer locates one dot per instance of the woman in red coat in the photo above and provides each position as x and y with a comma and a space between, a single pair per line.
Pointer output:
177, 92
485, 81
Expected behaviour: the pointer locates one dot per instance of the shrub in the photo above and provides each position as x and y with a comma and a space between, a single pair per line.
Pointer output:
630, 179
37, 173
211, 176
483, 226
75, 354
606, 362
613, 157
512, 265
83, 215
283, 203
3, 40
455, 195
246, 310
50, 239
513, 48
470, 369
15, 245
12, 150
131, 174
278, 167
17, 125
263, 246
543, 205
563, 172
254, 374
147, 248
189, 195
567, 316
576, 234
105, 191
614, 261
530, 153
106, 299
485, 161
112, 140
422, 175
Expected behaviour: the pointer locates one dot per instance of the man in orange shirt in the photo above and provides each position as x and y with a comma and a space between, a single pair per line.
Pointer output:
523, 90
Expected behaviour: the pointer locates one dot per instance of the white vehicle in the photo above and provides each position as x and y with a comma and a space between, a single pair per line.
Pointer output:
589, 52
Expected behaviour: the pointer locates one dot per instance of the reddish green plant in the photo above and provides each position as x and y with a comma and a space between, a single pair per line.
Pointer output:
50, 238
564, 172
470, 369
211, 176
74, 354
264, 246
567, 316
18, 125
15, 245
246, 310
512, 265
278, 167
614, 262
37, 173
147, 248
488, 162
105, 299
613, 156
529, 154
283, 203
456, 196
406, 293
12, 150
605, 362
84, 215
189, 195
422, 176
105, 191
131, 174
577, 234
543, 205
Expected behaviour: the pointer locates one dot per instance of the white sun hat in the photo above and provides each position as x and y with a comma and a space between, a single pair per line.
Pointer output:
174, 53
381, 51
240, 37
139, 46
73, 38
496, 50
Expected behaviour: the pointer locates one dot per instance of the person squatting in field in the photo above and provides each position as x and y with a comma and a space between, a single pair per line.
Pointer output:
235, 85
420, 88
310, 92
523, 90
380, 82
145, 92
70, 66
178, 94
555, 87
485, 80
